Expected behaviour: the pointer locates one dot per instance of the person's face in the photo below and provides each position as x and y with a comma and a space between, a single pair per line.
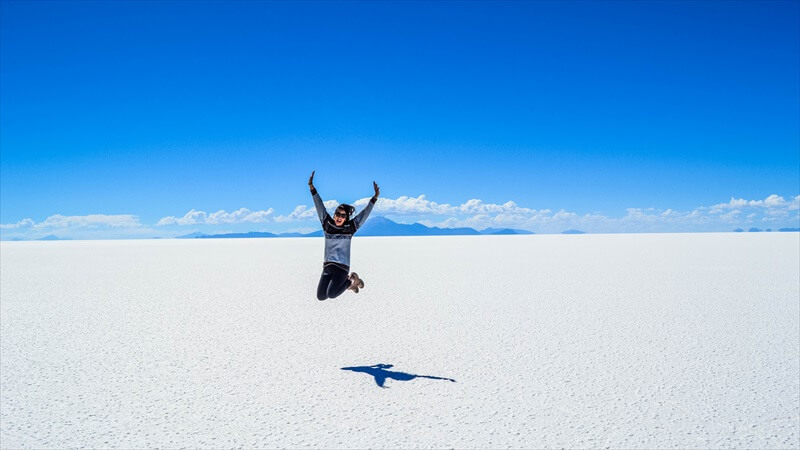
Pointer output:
339, 217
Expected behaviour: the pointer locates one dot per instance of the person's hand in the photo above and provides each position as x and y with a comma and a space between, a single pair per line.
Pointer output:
311, 180
377, 190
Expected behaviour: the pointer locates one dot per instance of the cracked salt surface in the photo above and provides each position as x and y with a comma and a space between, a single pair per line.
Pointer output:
634, 341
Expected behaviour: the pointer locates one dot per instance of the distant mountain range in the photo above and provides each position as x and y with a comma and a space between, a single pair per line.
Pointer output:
381, 226
375, 226
46, 238
758, 230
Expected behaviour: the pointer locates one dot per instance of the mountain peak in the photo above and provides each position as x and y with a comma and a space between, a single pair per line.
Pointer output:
382, 226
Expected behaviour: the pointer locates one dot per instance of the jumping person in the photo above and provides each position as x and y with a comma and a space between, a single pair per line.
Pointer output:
336, 277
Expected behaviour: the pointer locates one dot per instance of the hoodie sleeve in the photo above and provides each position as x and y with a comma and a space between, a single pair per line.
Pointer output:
362, 216
321, 211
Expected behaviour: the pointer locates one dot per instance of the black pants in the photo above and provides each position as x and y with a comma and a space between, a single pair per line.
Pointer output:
333, 282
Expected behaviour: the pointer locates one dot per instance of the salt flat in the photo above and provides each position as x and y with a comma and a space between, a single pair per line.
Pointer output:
634, 341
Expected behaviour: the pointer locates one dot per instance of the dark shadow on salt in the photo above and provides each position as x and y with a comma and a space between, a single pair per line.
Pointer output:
381, 374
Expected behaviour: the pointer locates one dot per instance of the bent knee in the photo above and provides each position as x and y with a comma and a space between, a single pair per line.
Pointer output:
321, 297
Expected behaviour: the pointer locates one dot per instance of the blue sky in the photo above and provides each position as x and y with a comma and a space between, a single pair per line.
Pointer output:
139, 119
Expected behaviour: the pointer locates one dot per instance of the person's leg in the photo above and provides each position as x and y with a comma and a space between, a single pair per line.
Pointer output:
322, 287
339, 282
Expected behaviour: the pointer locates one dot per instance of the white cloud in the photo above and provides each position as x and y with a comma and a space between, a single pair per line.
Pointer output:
477, 214
417, 206
92, 226
408, 206
477, 206
795, 204
670, 213
89, 221
243, 215
730, 217
190, 218
564, 215
304, 212
720, 217
473, 213
24, 223
778, 213
93, 220
301, 212
773, 201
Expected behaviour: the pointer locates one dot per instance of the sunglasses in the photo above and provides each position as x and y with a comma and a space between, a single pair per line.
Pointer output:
340, 214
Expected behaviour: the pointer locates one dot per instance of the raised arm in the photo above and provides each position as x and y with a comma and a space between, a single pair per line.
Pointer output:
362, 216
321, 211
